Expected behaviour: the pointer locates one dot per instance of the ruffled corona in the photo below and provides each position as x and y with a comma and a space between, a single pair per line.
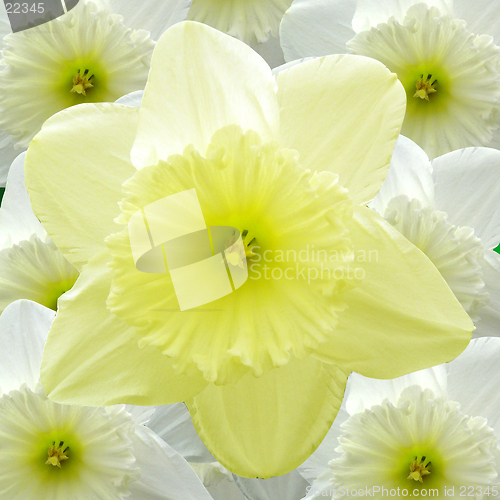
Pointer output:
424, 442
292, 219
451, 77
52, 451
251, 22
87, 55
34, 270
455, 251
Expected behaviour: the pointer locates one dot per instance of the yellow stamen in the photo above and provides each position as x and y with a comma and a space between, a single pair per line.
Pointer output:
233, 253
418, 469
57, 454
81, 82
425, 87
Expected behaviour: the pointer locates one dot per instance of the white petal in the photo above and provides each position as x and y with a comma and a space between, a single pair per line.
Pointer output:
5, 27
140, 414
489, 324
291, 486
410, 174
134, 99
151, 15
218, 481
366, 392
165, 475
467, 188
317, 28
173, 424
482, 16
7, 154
473, 380
321, 488
271, 52
24, 326
200, 81
369, 13
17, 220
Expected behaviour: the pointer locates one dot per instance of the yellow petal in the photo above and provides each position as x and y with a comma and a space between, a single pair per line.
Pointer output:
267, 426
343, 114
92, 357
74, 171
402, 317
202, 80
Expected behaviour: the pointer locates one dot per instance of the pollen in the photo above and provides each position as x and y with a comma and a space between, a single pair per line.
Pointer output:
81, 82
419, 469
425, 87
57, 454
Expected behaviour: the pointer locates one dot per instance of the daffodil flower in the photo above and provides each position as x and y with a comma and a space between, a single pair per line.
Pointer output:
445, 52
437, 429
31, 266
288, 162
449, 209
89, 54
61, 451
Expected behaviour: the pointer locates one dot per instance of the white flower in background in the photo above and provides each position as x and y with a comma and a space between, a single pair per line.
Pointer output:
31, 266
443, 51
254, 22
433, 429
90, 54
61, 452
174, 425
449, 208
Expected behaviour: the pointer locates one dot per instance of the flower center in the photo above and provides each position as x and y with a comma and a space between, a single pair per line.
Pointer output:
57, 454
425, 87
97, 454
81, 82
234, 254
418, 469
290, 222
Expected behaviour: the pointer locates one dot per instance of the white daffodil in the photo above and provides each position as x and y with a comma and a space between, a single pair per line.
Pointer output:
90, 54
254, 22
31, 266
58, 452
445, 52
430, 431
449, 209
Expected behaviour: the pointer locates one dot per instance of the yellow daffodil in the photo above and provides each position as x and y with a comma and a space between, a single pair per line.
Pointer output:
288, 163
